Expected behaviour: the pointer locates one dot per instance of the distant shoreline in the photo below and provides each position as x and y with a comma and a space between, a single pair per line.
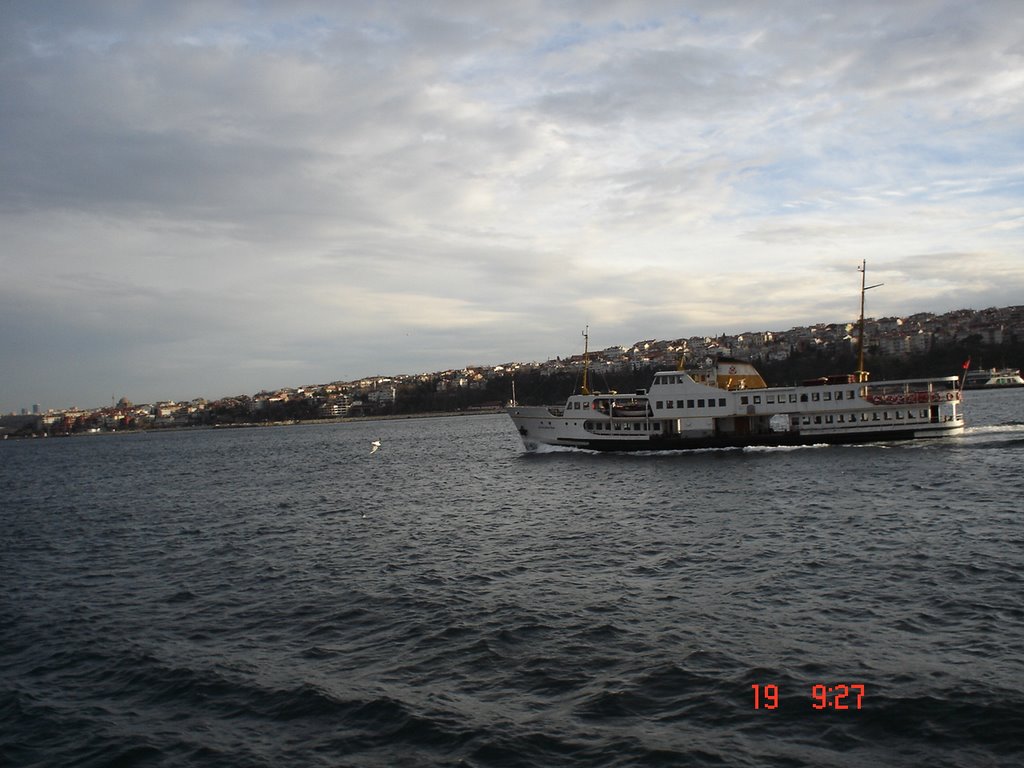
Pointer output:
257, 424
345, 419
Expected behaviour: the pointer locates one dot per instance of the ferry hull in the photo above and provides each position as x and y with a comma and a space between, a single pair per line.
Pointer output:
773, 440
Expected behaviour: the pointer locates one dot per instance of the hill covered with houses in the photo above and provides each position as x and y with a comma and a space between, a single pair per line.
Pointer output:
897, 347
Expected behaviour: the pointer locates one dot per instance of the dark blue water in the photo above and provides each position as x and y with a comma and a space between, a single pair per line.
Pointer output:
279, 596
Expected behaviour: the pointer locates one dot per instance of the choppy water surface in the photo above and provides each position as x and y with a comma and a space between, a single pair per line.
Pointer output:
279, 596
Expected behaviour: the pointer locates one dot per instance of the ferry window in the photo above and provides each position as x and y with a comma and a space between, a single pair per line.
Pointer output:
689, 403
817, 419
827, 396
807, 419
700, 403
618, 427
744, 400
850, 394
924, 414
721, 402
803, 398
863, 417
792, 398
757, 399
770, 399
841, 418
874, 416
657, 426
814, 396
899, 414
839, 395
659, 404
796, 421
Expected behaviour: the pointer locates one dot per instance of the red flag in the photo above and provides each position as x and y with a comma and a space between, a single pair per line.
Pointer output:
967, 363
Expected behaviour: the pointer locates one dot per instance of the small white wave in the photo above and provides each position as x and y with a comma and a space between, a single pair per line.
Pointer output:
995, 429
675, 452
782, 448
545, 448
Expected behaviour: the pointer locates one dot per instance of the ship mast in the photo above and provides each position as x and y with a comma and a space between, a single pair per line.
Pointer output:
862, 375
584, 388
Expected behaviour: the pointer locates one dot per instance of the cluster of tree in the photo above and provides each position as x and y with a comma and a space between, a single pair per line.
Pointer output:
945, 360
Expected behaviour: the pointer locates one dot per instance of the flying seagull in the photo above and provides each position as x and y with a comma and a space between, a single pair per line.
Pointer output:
374, 446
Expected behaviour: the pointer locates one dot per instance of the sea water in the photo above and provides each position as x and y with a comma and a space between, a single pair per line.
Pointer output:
281, 596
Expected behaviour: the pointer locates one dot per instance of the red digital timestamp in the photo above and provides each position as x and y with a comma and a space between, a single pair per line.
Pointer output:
838, 697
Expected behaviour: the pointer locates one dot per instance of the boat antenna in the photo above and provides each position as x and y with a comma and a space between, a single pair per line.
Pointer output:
584, 389
862, 375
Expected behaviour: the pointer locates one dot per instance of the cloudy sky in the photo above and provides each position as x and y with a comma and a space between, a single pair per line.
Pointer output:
214, 198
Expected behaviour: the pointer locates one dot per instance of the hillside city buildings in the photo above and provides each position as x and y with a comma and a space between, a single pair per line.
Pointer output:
892, 336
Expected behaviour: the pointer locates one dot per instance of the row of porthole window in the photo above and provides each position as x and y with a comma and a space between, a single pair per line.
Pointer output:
813, 397
850, 418
698, 403
618, 426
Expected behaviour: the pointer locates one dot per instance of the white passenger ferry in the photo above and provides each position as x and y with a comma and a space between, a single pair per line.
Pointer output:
728, 405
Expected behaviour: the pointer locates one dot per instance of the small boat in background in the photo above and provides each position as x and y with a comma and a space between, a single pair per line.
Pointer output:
993, 378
